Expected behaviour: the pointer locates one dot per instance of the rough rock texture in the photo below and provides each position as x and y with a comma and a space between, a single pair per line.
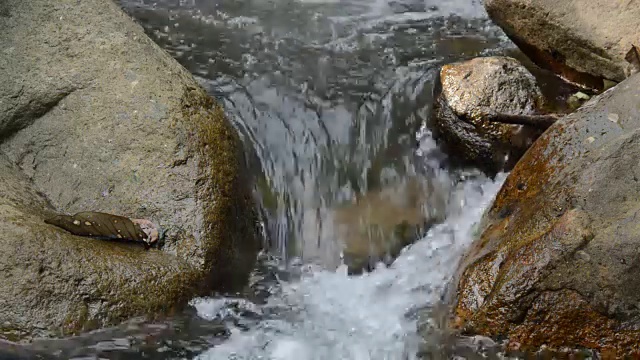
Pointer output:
13, 351
558, 261
468, 90
95, 117
585, 41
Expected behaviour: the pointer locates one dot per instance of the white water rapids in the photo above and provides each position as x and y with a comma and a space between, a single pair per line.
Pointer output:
332, 316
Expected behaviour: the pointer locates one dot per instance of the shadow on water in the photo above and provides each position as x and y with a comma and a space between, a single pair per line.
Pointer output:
330, 98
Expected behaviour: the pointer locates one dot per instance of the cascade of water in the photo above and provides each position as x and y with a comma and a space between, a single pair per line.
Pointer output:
329, 95
329, 315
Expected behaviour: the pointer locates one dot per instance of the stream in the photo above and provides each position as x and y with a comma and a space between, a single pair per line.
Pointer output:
331, 97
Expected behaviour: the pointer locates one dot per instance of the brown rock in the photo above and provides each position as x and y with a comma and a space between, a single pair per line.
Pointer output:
557, 263
468, 91
585, 41
374, 226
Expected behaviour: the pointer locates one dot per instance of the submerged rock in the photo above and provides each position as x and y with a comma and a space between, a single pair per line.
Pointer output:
380, 223
94, 115
373, 227
468, 91
558, 260
584, 41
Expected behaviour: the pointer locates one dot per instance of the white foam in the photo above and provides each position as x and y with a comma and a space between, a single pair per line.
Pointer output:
332, 316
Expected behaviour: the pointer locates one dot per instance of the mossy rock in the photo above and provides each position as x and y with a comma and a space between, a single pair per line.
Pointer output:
95, 117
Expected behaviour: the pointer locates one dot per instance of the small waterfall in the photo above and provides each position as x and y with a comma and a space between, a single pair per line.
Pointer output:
331, 98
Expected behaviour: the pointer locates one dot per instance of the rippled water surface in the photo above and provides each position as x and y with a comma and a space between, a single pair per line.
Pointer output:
330, 96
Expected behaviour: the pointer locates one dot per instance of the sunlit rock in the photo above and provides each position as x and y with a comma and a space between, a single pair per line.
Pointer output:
469, 91
557, 263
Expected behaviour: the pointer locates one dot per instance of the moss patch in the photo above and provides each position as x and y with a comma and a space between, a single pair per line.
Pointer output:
224, 192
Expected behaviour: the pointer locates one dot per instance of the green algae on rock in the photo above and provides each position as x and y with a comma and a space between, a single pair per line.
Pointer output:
233, 233
557, 261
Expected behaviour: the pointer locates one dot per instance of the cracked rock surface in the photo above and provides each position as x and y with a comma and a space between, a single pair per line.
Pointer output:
95, 117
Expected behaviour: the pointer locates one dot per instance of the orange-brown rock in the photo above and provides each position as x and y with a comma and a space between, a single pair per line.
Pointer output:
558, 259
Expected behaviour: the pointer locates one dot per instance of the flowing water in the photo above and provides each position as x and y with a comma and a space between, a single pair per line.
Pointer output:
331, 97
328, 94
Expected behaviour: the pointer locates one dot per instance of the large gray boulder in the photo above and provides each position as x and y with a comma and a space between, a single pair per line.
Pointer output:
585, 41
558, 259
95, 117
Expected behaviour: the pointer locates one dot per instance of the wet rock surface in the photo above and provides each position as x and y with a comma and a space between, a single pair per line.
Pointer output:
13, 351
557, 260
94, 116
374, 226
470, 90
583, 41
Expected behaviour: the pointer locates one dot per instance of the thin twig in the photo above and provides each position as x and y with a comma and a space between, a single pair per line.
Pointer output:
538, 121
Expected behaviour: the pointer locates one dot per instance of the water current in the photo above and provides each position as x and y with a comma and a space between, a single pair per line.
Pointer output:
331, 97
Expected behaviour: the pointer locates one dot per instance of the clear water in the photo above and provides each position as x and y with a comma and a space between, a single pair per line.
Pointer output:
331, 98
